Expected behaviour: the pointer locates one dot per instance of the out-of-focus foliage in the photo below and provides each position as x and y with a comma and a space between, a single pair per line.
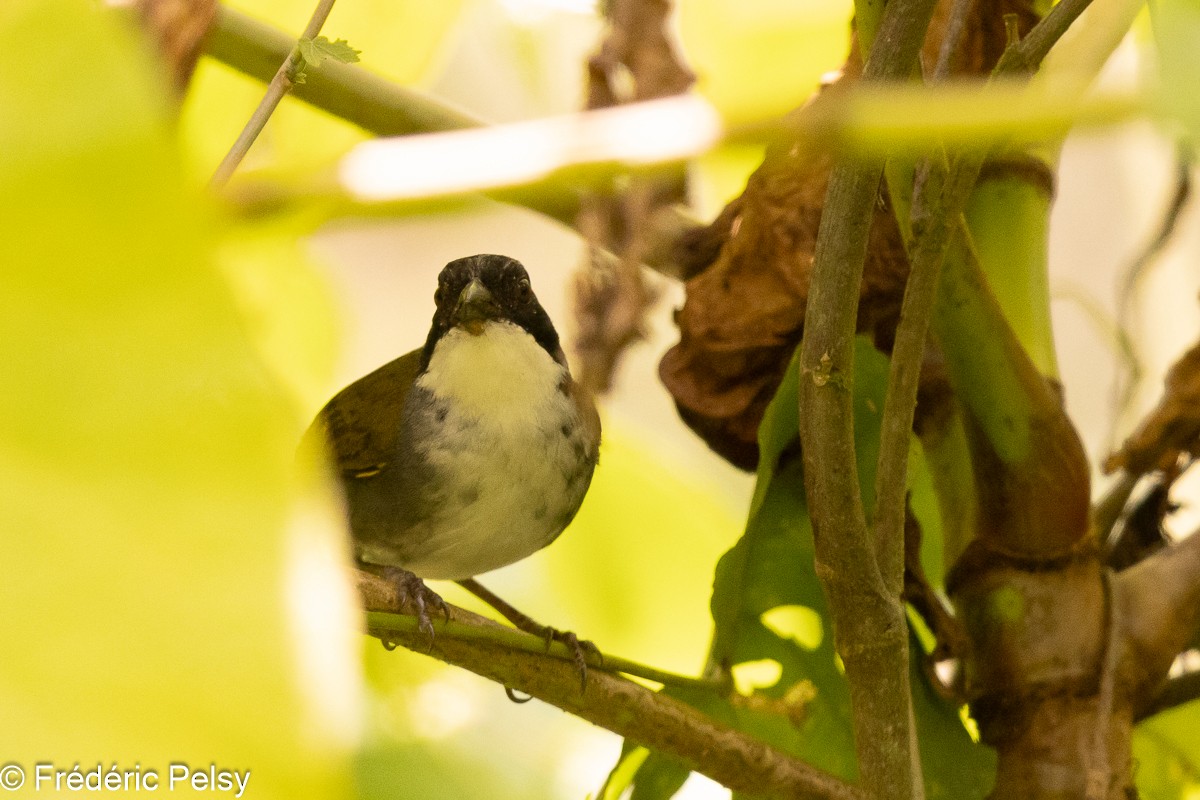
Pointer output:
1167, 755
748, 64
1176, 28
151, 533
758, 60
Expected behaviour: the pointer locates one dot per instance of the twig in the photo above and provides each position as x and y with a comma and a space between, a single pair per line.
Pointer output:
276, 89
869, 623
352, 93
1107, 510
1173, 693
1028, 54
940, 198
647, 718
934, 222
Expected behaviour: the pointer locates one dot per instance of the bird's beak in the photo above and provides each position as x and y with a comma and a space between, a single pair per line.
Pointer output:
475, 307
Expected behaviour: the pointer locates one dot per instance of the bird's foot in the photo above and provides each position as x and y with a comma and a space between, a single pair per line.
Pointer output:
580, 649
414, 594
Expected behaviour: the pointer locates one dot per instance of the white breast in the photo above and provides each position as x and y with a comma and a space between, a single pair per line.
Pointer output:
507, 456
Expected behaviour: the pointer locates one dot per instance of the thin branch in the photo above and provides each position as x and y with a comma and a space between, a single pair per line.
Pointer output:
1028, 54
647, 718
1160, 606
348, 92
940, 198
1172, 694
933, 227
866, 118
1108, 509
276, 89
869, 623
385, 623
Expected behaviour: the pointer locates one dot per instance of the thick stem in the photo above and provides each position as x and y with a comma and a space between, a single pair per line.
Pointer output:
868, 618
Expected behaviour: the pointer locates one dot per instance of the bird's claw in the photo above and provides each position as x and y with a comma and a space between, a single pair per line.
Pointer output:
580, 649
413, 593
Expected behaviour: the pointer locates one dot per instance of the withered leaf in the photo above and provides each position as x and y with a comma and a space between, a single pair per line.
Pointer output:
1172, 429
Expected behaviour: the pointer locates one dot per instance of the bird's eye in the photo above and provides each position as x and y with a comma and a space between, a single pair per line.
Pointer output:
523, 289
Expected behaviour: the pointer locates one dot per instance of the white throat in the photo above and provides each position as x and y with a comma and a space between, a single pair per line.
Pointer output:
501, 367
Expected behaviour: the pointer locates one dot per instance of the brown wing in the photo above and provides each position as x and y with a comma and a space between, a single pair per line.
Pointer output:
588, 415
361, 423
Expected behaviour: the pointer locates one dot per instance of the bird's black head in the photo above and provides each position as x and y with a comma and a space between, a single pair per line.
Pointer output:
479, 289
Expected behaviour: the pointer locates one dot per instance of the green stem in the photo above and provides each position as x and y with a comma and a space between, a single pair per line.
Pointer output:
282, 81
382, 622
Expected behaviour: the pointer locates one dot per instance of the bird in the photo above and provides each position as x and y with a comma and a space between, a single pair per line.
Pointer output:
469, 453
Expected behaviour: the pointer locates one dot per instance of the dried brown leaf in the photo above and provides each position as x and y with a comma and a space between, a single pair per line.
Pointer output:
1171, 430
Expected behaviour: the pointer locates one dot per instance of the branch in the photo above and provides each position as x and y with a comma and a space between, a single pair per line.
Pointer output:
617, 704
1028, 54
1160, 605
868, 617
934, 227
386, 623
354, 94
1173, 693
280, 84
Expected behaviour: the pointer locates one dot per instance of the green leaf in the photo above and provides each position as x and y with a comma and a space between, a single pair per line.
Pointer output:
315, 51
1166, 754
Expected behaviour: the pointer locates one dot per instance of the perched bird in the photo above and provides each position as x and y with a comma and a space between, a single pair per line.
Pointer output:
471, 452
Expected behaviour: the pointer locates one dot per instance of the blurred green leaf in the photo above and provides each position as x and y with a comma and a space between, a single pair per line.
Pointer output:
1166, 754
758, 60
1176, 31
153, 543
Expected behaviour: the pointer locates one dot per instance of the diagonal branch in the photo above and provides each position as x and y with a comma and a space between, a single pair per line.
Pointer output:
283, 80
1160, 605
650, 719
1172, 693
